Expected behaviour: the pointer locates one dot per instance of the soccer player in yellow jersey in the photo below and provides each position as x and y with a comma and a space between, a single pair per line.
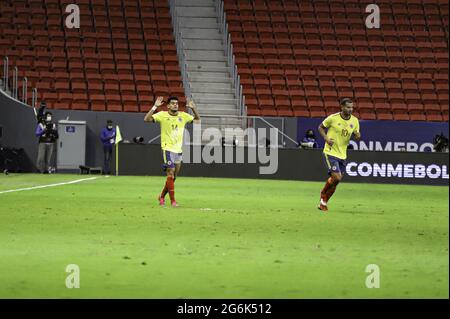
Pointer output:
172, 125
340, 127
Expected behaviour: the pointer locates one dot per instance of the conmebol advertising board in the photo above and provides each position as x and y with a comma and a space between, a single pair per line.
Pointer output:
410, 136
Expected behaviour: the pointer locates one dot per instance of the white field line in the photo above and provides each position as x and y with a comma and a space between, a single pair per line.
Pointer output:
49, 185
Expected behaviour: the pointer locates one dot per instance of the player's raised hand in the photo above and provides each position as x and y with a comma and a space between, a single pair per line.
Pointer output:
159, 101
190, 104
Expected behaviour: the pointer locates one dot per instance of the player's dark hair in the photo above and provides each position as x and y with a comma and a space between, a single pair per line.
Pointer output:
172, 98
346, 100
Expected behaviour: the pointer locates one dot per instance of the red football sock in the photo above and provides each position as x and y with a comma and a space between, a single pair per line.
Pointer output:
330, 192
164, 192
328, 185
170, 188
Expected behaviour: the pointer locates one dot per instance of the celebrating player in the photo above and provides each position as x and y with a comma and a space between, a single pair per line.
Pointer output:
340, 127
172, 128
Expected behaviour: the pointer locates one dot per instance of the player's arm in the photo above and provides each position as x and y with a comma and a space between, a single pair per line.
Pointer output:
149, 116
40, 130
322, 132
193, 107
357, 132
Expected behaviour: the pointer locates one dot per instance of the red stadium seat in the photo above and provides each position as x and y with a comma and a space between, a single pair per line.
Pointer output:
434, 116
389, 45
128, 42
91, 50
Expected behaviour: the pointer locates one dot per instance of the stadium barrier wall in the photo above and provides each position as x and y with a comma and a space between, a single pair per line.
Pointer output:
18, 124
299, 164
412, 136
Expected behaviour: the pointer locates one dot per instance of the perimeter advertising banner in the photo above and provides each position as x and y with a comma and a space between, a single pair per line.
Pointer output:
293, 164
398, 167
409, 136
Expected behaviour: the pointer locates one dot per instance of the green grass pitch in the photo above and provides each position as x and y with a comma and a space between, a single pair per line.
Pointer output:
230, 238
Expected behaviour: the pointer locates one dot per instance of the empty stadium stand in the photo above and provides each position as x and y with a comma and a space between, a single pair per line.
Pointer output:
294, 57
122, 56
297, 58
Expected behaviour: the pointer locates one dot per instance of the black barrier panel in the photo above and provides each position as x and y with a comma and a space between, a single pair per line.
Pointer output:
14, 161
295, 164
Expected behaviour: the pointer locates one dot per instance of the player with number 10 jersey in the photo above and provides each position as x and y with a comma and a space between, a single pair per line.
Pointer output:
339, 129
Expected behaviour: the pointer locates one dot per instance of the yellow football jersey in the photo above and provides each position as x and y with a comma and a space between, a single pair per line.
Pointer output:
340, 130
172, 129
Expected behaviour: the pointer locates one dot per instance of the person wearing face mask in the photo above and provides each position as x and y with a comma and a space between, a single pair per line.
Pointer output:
309, 141
108, 137
48, 134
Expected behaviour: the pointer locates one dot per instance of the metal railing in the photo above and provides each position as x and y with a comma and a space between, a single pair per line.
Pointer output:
244, 122
34, 98
180, 51
25, 90
281, 132
249, 122
5, 73
13, 90
15, 83
228, 48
